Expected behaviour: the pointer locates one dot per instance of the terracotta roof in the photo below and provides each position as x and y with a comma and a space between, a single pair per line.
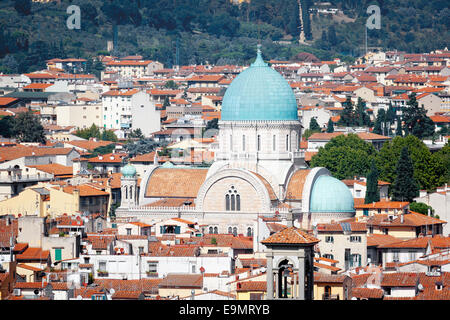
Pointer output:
182, 281
88, 144
328, 278
33, 254
326, 266
399, 279
436, 241
19, 151
247, 286
172, 202
412, 219
55, 169
175, 182
272, 194
384, 204
337, 227
291, 235
367, 293
294, 189
375, 240
85, 190
38, 86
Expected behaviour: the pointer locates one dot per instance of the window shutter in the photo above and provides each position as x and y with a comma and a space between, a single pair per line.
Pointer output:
161, 229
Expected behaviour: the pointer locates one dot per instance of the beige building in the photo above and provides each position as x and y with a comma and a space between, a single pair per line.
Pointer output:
79, 115
345, 242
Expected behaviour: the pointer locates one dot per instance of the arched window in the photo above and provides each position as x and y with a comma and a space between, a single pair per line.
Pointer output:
249, 232
211, 230
274, 142
287, 143
259, 142
235, 231
230, 230
131, 192
232, 200
126, 192
243, 142
216, 230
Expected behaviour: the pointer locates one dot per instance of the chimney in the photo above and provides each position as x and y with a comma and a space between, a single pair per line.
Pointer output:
290, 219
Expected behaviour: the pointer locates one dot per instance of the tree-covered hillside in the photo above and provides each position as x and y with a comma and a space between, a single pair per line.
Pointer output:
214, 31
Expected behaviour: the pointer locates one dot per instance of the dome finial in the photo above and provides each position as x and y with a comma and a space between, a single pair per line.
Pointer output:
259, 62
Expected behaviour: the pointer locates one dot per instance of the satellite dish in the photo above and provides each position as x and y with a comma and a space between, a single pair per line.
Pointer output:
112, 291
79, 297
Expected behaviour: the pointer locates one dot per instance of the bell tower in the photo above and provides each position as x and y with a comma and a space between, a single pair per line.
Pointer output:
128, 186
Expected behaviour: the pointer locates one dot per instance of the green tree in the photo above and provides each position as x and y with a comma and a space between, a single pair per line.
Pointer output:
28, 128
92, 132
170, 85
348, 114
362, 118
421, 207
108, 135
416, 120
378, 126
405, 187
398, 130
428, 172
330, 126
136, 134
313, 125
372, 192
212, 124
345, 156
7, 127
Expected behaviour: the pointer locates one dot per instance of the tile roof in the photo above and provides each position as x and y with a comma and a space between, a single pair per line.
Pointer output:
367, 293
55, 169
384, 204
437, 241
246, 286
291, 235
33, 254
175, 182
294, 189
182, 281
337, 227
375, 240
329, 278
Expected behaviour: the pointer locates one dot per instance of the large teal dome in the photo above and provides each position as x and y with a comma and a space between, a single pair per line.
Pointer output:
259, 93
330, 195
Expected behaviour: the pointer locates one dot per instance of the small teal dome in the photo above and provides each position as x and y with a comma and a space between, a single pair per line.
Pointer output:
330, 195
128, 171
259, 93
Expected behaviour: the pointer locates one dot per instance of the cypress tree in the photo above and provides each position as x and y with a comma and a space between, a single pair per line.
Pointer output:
378, 121
313, 125
330, 126
398, 131
405, 187
372, 193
